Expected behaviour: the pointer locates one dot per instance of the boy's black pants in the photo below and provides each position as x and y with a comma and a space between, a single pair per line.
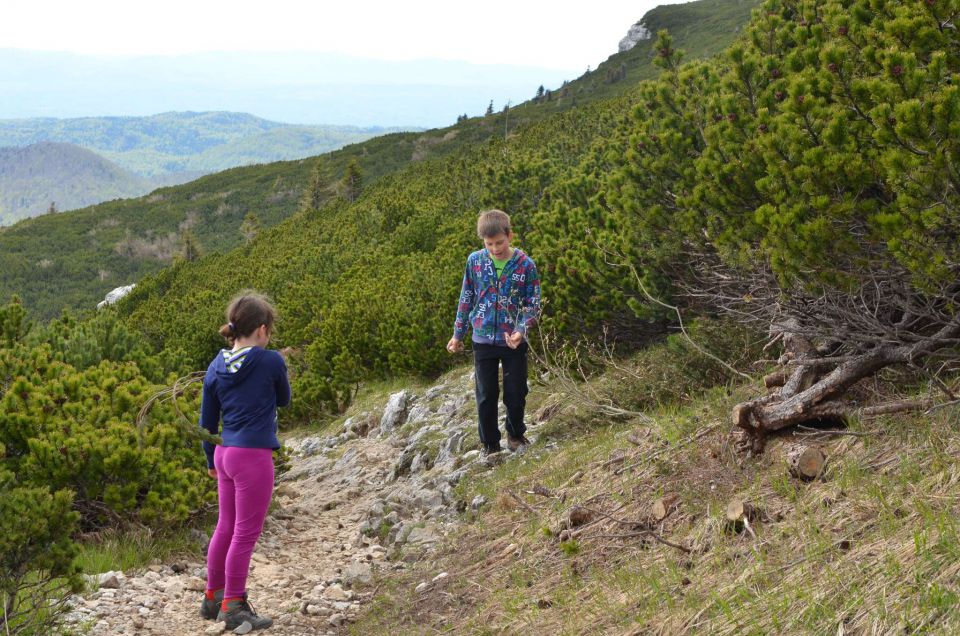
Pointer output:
486, 362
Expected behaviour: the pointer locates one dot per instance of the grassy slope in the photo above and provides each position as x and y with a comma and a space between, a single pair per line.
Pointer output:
871, 547
82, 244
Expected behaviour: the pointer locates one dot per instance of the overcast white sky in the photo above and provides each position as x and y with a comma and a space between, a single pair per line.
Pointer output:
551, 34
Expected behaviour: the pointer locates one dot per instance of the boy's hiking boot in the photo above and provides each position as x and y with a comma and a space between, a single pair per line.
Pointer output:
211, 607
516, 443
239, 611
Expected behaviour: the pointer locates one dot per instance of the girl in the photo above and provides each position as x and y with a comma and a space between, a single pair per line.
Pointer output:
244, 385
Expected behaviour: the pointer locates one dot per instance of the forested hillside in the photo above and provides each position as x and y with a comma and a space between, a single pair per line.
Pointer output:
803, 166
94, 250
189, 143
49, 177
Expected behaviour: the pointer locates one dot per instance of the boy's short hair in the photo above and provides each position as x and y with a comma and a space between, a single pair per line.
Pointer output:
493, 223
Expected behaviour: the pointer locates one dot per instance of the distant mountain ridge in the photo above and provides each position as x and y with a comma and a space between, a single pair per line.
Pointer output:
34, 177
192, 142
298, 86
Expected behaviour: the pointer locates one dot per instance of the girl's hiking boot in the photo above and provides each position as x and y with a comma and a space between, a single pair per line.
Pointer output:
239, 611
211, 607
516, 443
492, 450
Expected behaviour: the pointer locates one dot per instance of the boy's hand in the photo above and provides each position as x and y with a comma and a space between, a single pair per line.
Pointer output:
455, 345
514, 339
212, 472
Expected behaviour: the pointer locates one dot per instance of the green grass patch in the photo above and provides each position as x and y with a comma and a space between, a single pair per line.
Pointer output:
133, 550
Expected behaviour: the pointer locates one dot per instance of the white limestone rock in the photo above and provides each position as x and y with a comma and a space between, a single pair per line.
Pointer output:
115, 295
394, 412
637, 33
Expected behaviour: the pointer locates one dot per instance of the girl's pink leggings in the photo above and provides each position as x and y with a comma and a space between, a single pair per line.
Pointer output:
245, 486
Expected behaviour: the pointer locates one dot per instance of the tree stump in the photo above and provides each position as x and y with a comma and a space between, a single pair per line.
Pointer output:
806, 462
738, 510
579, 517
663, 507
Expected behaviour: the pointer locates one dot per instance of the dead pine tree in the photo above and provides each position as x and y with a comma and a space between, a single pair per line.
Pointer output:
834, 338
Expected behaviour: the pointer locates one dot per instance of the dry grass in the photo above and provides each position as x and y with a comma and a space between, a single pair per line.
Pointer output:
870, 548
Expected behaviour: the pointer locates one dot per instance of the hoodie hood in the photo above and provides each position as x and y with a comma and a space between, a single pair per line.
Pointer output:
234, 378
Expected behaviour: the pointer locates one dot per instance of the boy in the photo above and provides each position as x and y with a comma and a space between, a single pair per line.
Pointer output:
500, 300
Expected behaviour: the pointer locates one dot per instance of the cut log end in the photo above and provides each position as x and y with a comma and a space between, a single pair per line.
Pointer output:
741, 415
579, 517
662, 508
806, 462
737, 509
775, 379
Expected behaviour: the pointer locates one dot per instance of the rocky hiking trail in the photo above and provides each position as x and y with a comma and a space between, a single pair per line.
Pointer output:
351, 506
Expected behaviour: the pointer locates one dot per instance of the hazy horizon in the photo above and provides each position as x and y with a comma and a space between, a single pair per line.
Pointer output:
289, 87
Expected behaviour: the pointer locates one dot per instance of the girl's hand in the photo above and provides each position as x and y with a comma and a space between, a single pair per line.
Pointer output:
455, 346
514, 339
212, 472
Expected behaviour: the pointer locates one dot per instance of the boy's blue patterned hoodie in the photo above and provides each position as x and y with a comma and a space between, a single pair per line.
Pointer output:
495, 308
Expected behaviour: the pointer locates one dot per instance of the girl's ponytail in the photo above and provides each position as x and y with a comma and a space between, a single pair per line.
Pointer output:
229, 332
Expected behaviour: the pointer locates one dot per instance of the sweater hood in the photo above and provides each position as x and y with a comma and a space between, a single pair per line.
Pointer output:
236, 378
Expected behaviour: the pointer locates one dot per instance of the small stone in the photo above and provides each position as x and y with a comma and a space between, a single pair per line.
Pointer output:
149, 601
109, 580
287, 490
144, 611
357, 574
196, 584
434, 391
336, 620
337, 593
495, 459
469, 456
216, 628
174, 587
138, 623
422, 587
440, 577
422, 536
418, 413
478, 502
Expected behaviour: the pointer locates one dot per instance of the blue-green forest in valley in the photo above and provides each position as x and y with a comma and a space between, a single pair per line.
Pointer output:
793, 156
185, 142
73, 163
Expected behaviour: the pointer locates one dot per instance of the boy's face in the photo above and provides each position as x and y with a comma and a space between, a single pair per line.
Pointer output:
499, 245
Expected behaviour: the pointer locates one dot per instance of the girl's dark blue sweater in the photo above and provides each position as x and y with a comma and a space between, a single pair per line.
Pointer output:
246, 400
